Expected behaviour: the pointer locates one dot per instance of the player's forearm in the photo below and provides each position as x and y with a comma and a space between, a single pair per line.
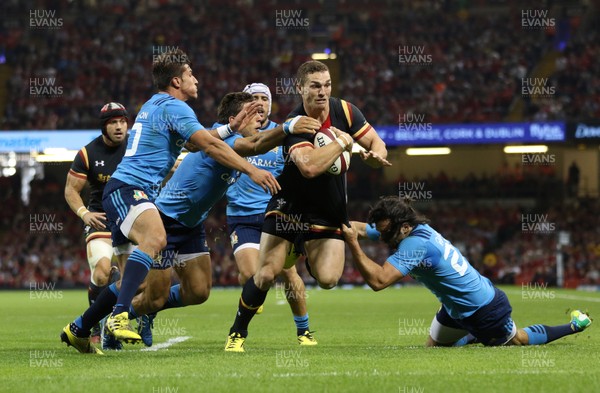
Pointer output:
316, 161
225, 155
264, 141
378, 147
371, 271
75, 202
360, 227
73, 199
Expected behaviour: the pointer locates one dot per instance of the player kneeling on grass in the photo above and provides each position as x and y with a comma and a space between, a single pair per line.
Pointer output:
473, 310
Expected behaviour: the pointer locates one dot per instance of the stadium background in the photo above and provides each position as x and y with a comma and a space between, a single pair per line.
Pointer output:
477, 56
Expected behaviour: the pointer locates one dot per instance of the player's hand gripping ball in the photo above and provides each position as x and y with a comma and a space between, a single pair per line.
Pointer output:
342, 163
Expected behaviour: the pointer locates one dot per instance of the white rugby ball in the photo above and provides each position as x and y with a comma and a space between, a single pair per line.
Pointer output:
342, 163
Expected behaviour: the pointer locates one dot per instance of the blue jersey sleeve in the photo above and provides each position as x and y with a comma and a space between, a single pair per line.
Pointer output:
410, 254
182, 119
230, 140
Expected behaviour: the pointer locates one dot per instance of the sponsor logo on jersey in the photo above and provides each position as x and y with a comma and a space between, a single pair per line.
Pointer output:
103, 178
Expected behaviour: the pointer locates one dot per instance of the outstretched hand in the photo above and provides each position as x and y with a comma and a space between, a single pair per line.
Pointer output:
245, 116
373, 159
95, 220
266, 180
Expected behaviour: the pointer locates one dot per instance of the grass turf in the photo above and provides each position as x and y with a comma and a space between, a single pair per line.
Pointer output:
368, 342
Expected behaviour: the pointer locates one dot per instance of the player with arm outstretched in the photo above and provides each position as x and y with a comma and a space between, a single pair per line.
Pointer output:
312, 204
473, 309
162, 127
245, 215
184, 203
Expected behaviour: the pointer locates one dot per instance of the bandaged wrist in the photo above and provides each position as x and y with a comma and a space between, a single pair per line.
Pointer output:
343, 141
82, 211
224, 131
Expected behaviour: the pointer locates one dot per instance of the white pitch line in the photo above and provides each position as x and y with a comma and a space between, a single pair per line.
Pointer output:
560, 296
167, 343
385, 374
574, 297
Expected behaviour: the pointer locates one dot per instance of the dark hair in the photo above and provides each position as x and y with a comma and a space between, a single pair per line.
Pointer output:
231, 105
309, 67
168, 66
399, 211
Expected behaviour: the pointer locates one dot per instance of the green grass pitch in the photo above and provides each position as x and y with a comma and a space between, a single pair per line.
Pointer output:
368, 342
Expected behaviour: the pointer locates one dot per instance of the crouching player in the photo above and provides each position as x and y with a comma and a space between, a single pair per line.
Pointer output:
473, 310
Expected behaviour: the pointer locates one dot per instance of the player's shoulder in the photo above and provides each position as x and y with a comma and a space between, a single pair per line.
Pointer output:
95, 144
418, 237
163, 98
270, 125
422, 231
166, 103
297, 111
173, 104
344, 107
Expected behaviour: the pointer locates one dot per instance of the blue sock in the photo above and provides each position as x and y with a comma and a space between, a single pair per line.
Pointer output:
174, 299
466, 340
301, 324
542, 334
132, 313
136, 270
99, 309
113, 288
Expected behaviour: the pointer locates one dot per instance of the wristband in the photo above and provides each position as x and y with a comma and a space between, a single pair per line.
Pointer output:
372, 233
288, 125
82, 211
344, 144
224, 131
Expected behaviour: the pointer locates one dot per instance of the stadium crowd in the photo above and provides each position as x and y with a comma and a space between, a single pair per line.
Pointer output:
471, 69
494, 237
101, 49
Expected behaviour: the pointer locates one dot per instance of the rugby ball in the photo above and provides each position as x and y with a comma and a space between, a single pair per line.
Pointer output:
342, 163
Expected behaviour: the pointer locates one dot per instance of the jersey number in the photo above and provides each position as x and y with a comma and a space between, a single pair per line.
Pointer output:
458, 262
137, 133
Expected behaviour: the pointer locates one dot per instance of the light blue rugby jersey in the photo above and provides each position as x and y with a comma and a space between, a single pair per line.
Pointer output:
163, 125
246, 198
434, 261
197, 184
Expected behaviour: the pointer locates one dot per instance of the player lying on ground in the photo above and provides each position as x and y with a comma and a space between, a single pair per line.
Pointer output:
473, 310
